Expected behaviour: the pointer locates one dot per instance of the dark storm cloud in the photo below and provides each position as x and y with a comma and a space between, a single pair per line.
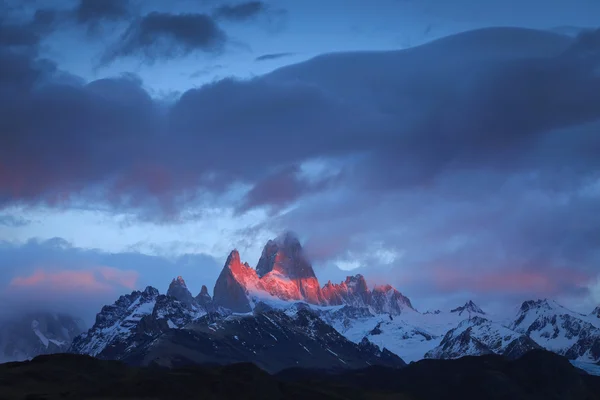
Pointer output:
164, 36
54, 275
93, 11
282, 189
240, 11
497, 100
17, 35
273, 56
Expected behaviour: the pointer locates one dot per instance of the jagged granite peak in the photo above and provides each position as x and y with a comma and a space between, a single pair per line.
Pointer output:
203, 297
178, 289
353, 291
131, 321
596, 312
28, 335
470, 308
234, 284
285, 256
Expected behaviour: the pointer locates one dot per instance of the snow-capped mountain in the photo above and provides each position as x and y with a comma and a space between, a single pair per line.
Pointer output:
468, 310
596, 312
131, 321
257, 304
284, 273
272, 339
558, 329
29, 335
478, 336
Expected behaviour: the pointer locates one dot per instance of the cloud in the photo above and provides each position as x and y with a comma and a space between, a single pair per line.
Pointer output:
240, 11
90, 281
415, 120
18, 34
476, 154
159, 36
93, 11
13, 221
282, 189
57, 276
274, 56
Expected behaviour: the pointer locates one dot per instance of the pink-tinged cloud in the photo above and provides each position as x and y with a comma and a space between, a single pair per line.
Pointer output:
548, 282
96, 280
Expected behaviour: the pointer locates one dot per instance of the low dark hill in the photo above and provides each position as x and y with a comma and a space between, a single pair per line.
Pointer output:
537, 375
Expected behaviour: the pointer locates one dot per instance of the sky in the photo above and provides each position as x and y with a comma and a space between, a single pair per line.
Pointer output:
448, 148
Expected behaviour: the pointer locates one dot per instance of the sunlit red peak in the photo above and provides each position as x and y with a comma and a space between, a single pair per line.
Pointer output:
233, 258
383, 288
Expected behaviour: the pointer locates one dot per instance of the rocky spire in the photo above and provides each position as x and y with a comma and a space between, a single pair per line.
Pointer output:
178, 289
596, 312
286, 256
233, 284
203, 297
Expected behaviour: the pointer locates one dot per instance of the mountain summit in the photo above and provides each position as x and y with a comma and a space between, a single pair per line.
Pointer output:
285, 256
179, 290
469, 308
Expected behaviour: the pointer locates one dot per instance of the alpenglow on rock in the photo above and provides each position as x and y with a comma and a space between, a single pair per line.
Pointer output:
285, 273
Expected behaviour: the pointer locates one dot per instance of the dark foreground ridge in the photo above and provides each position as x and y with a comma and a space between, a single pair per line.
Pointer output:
537, 375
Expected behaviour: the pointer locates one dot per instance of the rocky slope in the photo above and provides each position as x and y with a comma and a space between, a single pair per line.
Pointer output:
26, 336
133, 320
556, 328
479, 336
272, 339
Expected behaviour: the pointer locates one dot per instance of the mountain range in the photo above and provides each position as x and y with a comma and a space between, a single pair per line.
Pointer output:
278, 316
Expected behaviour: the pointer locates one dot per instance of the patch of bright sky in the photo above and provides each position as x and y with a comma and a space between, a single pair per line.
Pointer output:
214, 233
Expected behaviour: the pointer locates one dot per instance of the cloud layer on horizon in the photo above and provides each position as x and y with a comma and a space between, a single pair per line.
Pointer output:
53, 275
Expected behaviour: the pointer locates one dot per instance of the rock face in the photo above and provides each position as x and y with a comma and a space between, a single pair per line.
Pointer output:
178, 289
596, 312
29, 335
131, 321
204, 298
235, 284
479, 336
286, 273
272, 339
354, 291
559, 329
